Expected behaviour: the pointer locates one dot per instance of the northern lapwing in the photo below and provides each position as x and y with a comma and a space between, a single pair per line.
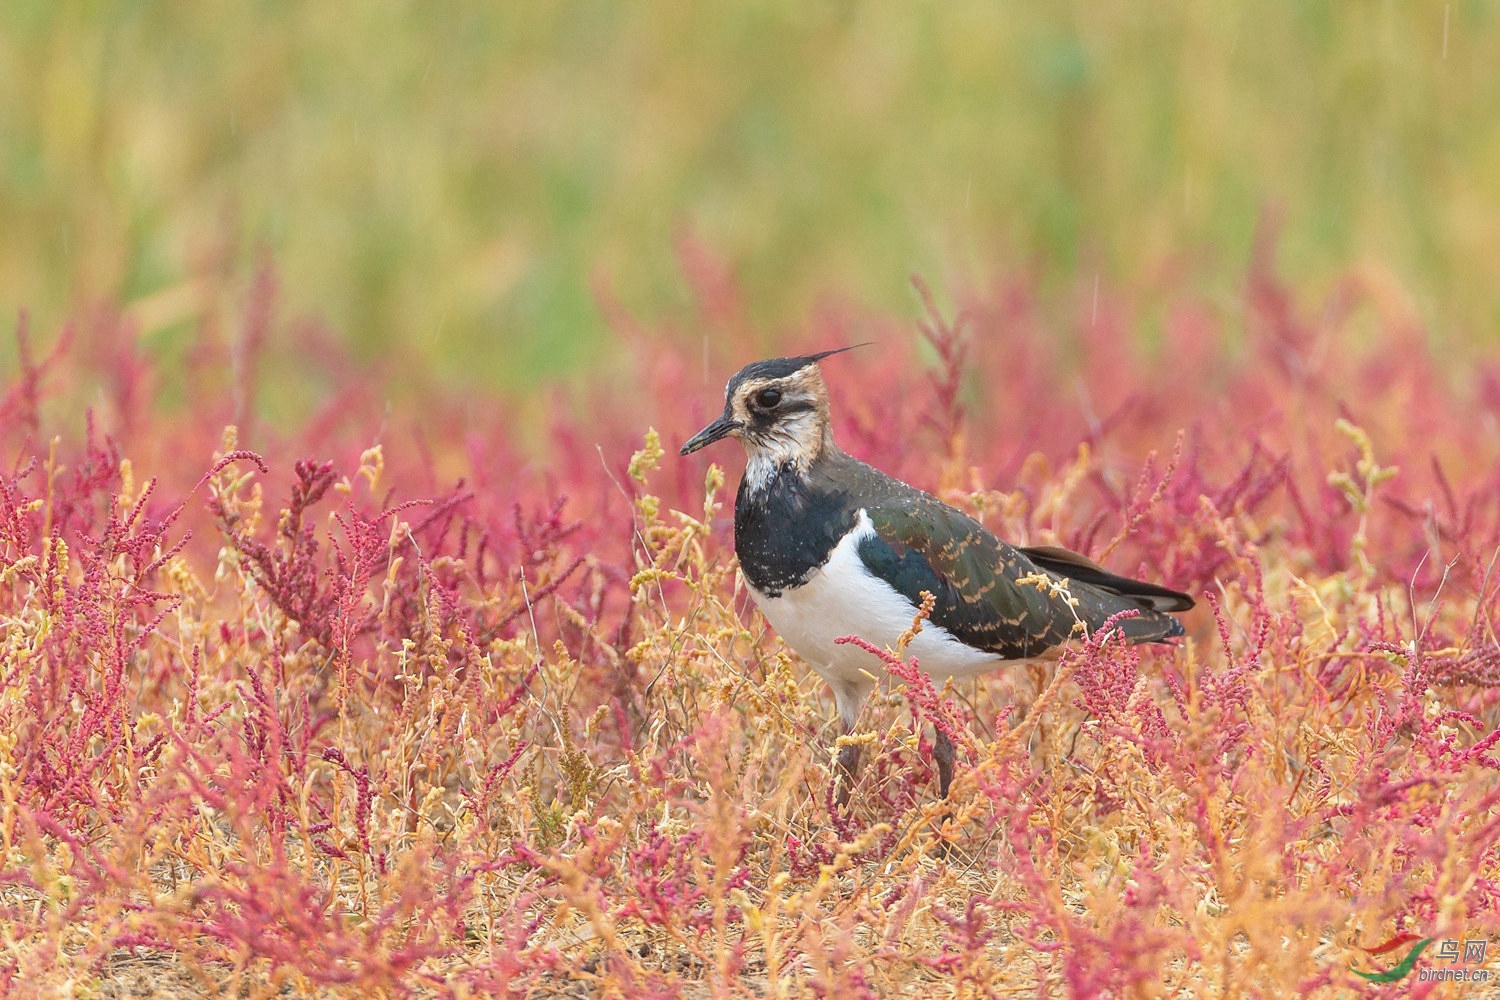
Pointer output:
832, 547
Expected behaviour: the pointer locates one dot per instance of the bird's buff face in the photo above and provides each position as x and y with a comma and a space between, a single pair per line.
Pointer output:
780, 419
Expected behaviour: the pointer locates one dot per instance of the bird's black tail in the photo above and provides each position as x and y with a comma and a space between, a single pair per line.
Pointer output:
1075, 567
1102, 594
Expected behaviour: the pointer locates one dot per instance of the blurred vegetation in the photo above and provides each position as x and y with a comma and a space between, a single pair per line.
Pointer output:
452, 185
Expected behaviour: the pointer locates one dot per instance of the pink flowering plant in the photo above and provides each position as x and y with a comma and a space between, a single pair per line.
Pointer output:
412, 706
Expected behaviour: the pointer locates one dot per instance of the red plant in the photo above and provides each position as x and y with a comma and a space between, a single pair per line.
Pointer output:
425, 727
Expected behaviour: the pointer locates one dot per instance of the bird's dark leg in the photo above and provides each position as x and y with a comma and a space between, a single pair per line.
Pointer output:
942, 752
848, 770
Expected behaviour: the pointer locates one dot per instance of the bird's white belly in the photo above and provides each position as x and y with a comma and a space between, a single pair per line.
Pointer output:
842, 598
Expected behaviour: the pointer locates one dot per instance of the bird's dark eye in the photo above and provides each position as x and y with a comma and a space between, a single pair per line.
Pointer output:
767, 399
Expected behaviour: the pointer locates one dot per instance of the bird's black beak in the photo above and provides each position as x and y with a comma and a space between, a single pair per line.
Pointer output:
720, 428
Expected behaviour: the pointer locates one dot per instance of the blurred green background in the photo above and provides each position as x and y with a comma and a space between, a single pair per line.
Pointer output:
451, 184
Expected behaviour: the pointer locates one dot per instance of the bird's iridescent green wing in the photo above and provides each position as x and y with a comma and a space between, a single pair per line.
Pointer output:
988, 594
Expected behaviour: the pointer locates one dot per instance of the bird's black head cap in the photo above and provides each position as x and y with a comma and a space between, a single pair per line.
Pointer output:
781, 367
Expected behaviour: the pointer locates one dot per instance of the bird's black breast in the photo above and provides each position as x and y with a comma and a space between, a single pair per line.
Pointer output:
787, 529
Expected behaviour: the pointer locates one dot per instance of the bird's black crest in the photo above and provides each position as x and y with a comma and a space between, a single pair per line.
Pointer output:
782, 367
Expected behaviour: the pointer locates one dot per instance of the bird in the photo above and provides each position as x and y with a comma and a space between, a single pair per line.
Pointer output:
832, 547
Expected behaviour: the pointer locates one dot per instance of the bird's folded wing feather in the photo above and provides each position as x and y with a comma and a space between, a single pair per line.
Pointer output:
988, 594
1064, 562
